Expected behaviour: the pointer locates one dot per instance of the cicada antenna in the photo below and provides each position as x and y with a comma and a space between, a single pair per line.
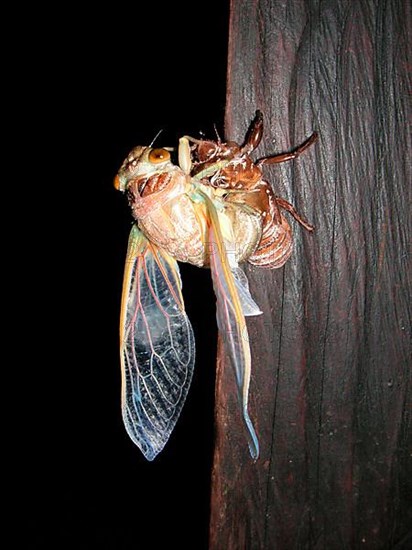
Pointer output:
156, 136
217, 133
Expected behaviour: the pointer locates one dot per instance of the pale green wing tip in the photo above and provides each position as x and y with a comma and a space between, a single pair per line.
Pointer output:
253, 442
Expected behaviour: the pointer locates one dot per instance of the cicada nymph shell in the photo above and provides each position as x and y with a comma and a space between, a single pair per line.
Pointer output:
229, 166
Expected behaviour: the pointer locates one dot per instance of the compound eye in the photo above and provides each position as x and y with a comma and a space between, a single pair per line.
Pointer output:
156, 156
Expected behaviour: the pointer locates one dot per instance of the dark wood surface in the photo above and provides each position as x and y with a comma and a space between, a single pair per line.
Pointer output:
332, 350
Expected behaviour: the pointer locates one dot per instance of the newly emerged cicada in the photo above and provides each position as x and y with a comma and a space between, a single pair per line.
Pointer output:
213, 209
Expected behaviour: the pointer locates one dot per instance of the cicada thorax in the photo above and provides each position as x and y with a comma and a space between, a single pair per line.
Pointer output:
154, 184
166, 215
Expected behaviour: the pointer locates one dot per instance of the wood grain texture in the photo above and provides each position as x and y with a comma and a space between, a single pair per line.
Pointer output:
330, 392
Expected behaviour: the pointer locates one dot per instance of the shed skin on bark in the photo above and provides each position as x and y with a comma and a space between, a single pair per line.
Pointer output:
331, 354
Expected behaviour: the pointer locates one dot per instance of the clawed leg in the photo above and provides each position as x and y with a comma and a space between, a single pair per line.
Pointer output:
276, 159
291, 209
254, 135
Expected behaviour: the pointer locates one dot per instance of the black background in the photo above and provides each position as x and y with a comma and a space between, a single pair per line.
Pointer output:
95, 85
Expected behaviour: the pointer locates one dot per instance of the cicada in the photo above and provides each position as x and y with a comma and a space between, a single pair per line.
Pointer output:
211, 208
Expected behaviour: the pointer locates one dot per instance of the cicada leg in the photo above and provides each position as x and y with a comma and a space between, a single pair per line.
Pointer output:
276, 159
283, 203
254, 134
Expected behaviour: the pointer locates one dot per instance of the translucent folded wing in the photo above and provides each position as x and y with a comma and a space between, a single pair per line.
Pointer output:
233, 303
157, 345
249, 306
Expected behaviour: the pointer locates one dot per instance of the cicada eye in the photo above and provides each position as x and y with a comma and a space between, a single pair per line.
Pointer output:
156, 156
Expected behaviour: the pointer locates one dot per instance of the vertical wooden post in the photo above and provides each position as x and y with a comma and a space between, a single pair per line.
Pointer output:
331, 353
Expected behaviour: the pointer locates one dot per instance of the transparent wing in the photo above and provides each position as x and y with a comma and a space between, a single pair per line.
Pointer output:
157, 345
249, 306
233, 303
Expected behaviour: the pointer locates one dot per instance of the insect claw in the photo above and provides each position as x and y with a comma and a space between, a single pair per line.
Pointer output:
284, 157
254, 135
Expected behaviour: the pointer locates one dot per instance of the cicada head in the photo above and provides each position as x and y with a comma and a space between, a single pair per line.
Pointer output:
142, 162
151, 182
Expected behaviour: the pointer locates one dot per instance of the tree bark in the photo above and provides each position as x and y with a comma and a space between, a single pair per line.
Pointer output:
331, 355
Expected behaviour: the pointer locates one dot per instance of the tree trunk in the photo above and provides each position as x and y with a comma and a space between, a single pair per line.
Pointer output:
331, 354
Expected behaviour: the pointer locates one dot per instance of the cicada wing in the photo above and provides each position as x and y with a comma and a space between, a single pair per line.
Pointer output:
157, 345
249, 306
233, 303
